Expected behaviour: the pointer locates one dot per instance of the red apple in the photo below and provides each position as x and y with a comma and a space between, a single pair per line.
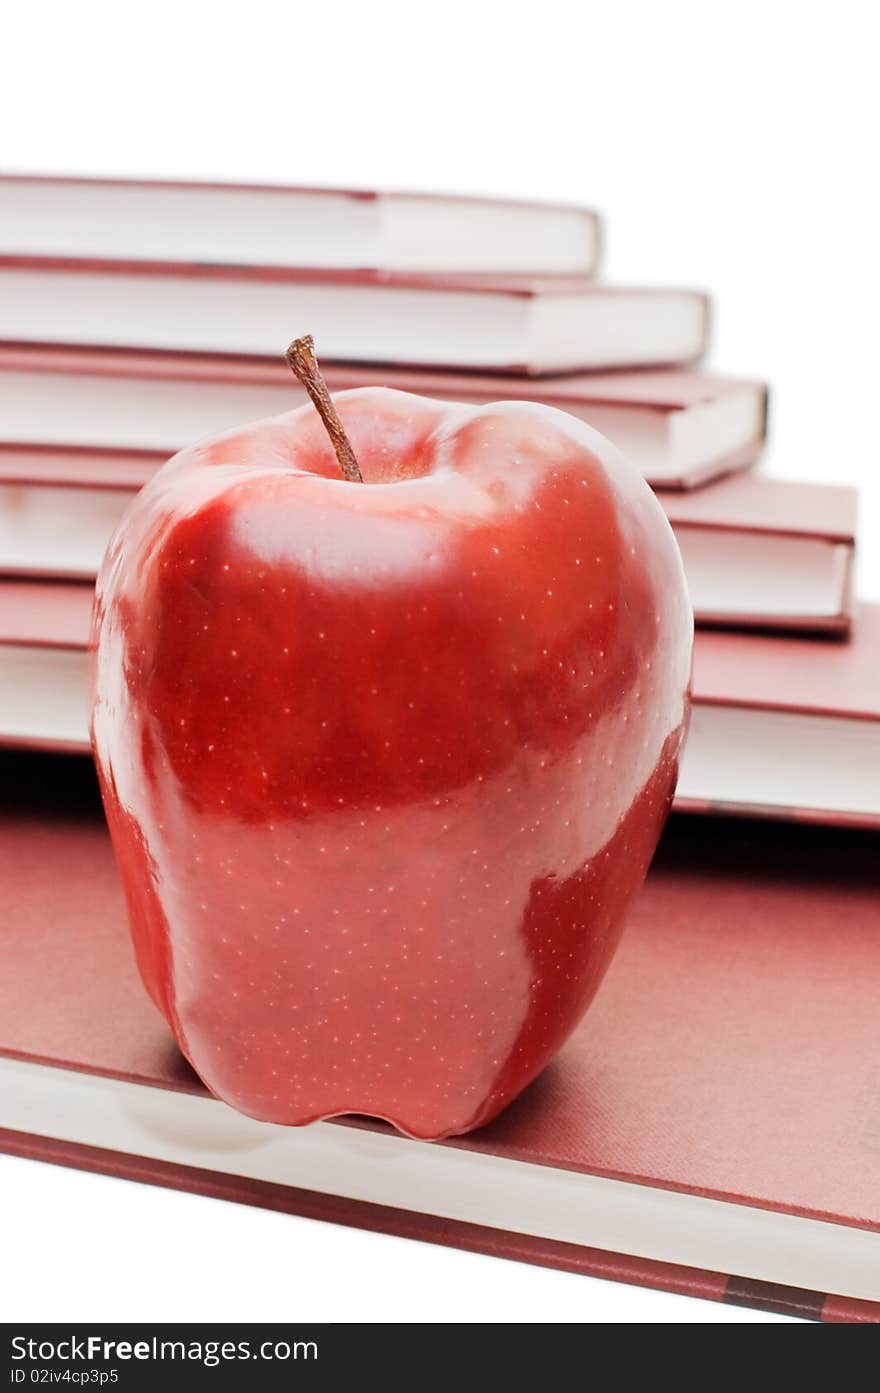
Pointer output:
385, 761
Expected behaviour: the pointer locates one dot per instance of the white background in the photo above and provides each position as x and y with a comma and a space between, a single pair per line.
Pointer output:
730, 146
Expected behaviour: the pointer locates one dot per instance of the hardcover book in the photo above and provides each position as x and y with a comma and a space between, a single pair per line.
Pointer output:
766, 553
782, 726
515, 324
711, 1128
786, 727
678, 428
59, 507
258, 225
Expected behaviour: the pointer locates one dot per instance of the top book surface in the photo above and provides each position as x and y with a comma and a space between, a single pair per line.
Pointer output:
500, 322
678, 428
252, 225
716, 1108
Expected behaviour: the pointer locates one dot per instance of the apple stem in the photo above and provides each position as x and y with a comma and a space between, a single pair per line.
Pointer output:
302, 361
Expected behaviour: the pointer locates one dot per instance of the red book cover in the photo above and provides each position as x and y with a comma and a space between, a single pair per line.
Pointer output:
767, 553
60, 506
722, 1068
775, 507
77, 467
526, 325
786, 727
44, 633
796, 675
157, 401
255, 224
44, 615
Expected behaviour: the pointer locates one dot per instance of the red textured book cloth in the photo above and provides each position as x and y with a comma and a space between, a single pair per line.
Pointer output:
796, 676
77, 467
786, 726
781, 727
711, 1128
515, 324
679, 428
259, 224
767, 553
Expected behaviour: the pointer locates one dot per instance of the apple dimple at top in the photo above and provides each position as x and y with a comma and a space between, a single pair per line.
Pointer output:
385, 758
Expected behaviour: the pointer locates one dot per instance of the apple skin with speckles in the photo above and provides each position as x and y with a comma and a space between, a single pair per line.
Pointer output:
385, 762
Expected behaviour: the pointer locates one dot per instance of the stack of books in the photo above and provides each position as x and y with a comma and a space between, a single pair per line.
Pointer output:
713, 1126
